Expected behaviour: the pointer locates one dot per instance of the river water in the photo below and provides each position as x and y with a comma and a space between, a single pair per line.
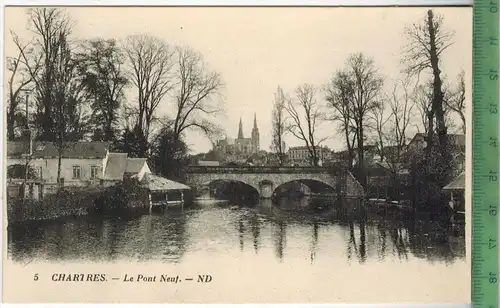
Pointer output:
287, 252
290, 233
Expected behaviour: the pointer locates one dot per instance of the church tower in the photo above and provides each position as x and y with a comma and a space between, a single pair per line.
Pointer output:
255, 135
240, 130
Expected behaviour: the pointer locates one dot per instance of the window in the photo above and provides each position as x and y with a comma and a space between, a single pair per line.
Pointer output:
94, 172
76, 172
40, 172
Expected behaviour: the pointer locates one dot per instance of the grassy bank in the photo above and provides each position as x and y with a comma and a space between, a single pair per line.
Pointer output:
65, 202
124, 197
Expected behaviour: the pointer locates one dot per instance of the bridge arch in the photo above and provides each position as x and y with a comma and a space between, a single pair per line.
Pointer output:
236, 187
312, 186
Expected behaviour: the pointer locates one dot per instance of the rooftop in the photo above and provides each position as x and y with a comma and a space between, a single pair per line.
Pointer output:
134, 165
116, 166
161, 184
80, 149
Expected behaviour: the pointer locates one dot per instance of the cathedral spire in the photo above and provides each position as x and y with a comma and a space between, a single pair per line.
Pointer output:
255, 120
240, 130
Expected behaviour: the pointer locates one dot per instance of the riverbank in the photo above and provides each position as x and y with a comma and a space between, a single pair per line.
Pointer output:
64, 203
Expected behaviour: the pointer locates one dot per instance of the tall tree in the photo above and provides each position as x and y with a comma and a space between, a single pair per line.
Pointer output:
151, 65
339, 94
129, 141
305, 115
279, 126
401, 108
19, 83
426, 43
51, 28
104, 79
366, 97
198, 95
380, 119
170, 155
70, 117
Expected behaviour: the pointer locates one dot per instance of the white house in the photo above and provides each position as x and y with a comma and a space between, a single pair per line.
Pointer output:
82, 164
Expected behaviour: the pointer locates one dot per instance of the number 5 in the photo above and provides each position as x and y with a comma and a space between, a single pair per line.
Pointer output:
35, 278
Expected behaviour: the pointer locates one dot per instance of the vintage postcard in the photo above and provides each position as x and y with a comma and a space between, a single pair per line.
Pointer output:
237, 154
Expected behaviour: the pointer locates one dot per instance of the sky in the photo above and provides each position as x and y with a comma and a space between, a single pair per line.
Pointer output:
255, 49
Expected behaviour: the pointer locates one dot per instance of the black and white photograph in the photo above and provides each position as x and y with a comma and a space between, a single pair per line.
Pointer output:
237, 154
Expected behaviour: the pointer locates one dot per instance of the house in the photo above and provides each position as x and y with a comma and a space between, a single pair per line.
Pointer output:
82, 164
457, 193
120, 166
419, 142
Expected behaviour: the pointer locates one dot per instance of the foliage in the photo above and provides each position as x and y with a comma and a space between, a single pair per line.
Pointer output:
104, 79
18, 171
65, 202
170, 155
118, 196
131, 141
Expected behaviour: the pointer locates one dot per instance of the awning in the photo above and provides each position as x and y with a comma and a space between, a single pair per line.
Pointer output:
161, 184
457, 184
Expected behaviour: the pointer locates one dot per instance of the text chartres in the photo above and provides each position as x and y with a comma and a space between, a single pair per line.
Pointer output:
78, 277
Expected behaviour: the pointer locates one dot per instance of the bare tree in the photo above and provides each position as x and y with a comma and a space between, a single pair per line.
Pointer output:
151, 62
456, 101
50, 26
19, 82
279, 126
305, 116
366, 97
69, 112
422, 96
401, 111
380, 119
426, 43
339, 94
198, 95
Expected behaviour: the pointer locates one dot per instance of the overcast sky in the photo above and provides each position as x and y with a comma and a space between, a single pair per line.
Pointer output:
257, 49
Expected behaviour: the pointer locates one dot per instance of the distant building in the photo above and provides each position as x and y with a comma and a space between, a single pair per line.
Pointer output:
419, 142
208, 163
300, 156
241, 148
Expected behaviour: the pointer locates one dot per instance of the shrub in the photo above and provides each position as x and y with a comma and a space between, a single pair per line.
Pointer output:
119, 196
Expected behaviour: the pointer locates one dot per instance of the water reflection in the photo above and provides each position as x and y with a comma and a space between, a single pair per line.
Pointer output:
289, 230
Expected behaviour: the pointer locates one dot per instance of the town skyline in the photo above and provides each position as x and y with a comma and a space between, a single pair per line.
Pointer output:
288, 51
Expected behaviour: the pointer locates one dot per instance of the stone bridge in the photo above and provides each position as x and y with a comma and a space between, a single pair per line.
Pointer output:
266, 179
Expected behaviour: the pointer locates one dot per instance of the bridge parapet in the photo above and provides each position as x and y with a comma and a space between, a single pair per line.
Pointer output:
263, 169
